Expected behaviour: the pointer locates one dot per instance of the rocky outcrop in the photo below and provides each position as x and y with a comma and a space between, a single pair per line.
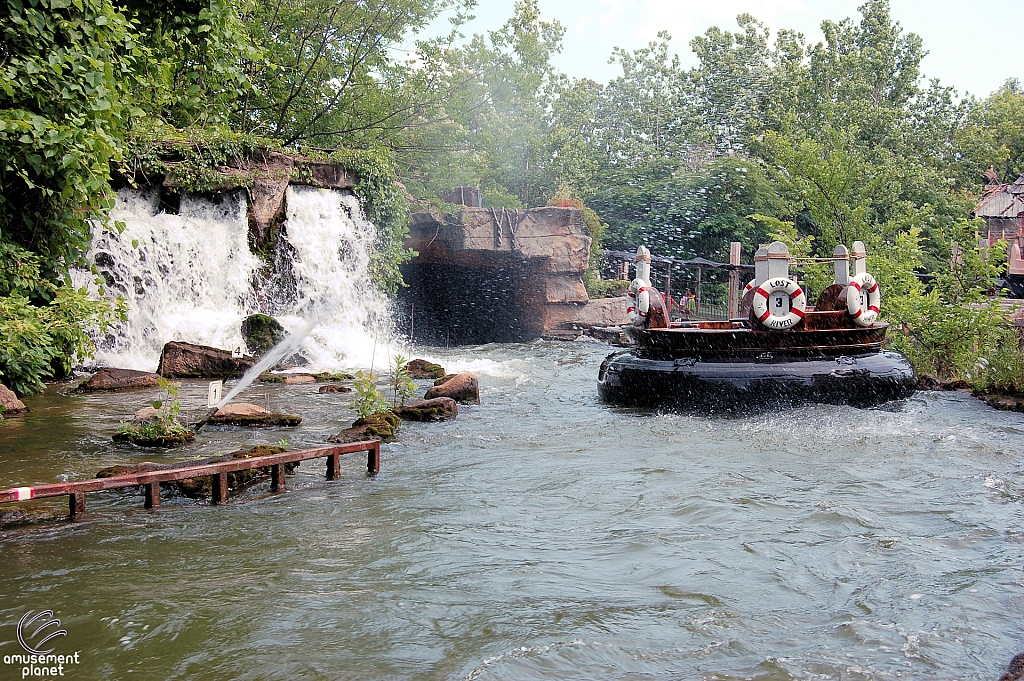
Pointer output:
10, 402
332, 388
261, 332
186, 360
120, 379
459, 387
376, 427
437, 409
601, 318
245, 414
541, 252
421, 368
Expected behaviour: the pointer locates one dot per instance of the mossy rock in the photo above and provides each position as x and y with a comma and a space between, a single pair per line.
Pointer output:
444, 379
149, 437
326, 376
380, 426
256, 420
421, 368
261, 332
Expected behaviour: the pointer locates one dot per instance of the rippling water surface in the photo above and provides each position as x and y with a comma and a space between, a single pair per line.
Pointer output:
542, 535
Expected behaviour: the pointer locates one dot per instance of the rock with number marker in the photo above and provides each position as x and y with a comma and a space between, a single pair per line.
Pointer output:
187, 360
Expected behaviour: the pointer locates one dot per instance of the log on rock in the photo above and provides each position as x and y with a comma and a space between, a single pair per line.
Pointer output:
187, 360
245, 414
437, 409
10, 402
421, 368
460, 387
120, 379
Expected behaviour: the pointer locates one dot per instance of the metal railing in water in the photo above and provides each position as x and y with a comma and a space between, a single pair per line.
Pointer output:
150, 480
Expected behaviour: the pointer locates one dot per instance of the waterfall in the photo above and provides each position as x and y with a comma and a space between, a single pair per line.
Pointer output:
192, 277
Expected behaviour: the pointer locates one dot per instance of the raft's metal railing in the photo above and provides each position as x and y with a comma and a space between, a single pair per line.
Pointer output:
150, 480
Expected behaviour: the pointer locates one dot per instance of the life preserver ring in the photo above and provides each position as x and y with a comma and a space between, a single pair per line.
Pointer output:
639, 300
748, 288
863, 283
797, 303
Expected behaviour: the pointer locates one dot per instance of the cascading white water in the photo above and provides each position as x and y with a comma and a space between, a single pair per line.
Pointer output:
191, 277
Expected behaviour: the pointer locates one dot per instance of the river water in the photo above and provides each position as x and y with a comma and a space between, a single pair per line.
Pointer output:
541, 535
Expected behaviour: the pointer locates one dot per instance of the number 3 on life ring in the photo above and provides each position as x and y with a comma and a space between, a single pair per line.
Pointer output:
639, 295
762, 302
860, 286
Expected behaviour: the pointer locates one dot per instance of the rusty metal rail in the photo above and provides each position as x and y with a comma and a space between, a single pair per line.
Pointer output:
150, 480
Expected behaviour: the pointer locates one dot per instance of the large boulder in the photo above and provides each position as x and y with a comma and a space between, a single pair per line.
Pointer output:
120, 379
459, 387
437, 409
421, 368
261, 332
187, 360
245, 414
10, 402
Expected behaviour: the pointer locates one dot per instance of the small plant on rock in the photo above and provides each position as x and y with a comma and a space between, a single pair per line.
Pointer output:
402, 385
368, 400
164, 429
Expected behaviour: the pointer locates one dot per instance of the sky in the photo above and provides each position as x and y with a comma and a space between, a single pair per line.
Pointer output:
973, 46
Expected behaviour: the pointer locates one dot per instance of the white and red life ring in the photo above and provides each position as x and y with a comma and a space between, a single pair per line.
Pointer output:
639, 300
797, 303
748, 288
861, 285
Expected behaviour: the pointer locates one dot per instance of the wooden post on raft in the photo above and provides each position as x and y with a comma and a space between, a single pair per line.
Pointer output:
734, 279
668, 290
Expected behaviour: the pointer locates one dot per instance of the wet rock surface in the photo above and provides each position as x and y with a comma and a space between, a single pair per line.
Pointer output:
187, 360
463, 388
245, 414
1002, 401
437, 409
120, 379
10, 402
421, 368
261, 332
376, 427
334, 388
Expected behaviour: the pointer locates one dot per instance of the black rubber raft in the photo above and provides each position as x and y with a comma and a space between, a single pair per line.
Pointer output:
726, 368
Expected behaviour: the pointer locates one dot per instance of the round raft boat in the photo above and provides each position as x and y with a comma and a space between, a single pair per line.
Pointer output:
783, 353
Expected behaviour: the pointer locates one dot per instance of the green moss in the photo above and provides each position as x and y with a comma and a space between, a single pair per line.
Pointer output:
154, 434
325, 376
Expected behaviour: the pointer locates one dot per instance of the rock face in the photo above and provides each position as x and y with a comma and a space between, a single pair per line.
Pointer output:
261, 332
421, 368
480, 262
186, 360
120, 379
245, 414
10, 402
437, 409
460, 387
